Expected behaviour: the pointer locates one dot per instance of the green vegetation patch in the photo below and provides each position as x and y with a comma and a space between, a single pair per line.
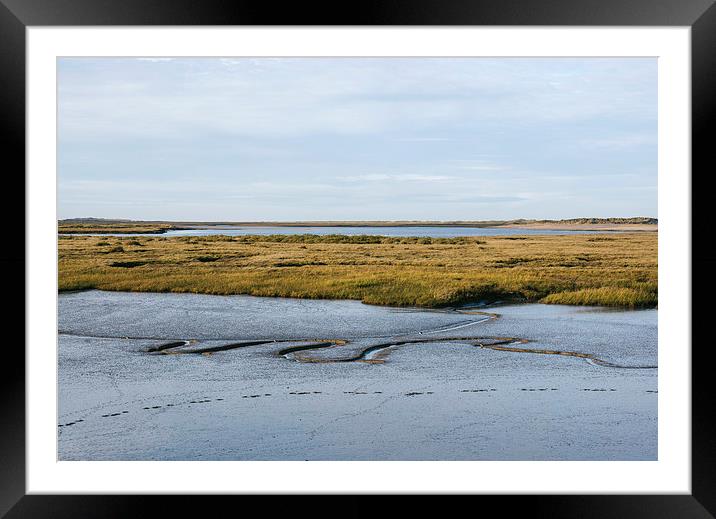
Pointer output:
298, 263
347, 239
127, 264
207, 259
511, 262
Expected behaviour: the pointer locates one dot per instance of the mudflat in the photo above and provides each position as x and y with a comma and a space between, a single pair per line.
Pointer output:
190, 377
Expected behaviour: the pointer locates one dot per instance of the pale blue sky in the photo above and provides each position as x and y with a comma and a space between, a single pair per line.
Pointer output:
357, 138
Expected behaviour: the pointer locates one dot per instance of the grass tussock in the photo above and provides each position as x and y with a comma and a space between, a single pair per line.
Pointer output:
606, 296
429, 272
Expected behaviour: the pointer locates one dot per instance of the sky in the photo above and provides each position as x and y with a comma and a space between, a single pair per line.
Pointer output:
281, 139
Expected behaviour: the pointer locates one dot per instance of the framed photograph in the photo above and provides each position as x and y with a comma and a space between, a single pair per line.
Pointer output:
424, 251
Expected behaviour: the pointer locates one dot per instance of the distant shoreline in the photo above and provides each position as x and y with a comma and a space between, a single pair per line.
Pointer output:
631, 227
76, 226
542, 226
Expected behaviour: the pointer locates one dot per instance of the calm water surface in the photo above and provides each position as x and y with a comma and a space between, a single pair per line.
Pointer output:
432, 232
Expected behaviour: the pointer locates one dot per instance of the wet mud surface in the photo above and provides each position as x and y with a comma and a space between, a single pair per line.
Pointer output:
195, 377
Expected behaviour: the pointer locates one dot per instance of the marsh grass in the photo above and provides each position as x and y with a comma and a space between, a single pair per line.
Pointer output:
113, 228
397, 271
605, 296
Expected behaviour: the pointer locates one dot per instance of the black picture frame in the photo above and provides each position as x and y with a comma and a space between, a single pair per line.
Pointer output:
700, 15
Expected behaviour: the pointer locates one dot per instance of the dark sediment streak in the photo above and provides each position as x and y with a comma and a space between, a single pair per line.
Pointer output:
587, 356
376, 353
168, 345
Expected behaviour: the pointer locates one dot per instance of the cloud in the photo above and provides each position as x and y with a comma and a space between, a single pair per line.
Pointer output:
394, 138
308, 97
484, 167
381, 177
477, 165
424, 139
469, 198
620, 142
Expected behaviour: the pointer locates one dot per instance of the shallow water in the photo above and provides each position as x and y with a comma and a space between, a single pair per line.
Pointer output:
433, 388
433, 232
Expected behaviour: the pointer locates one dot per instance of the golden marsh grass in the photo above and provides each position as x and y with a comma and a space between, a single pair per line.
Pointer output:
616, 269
